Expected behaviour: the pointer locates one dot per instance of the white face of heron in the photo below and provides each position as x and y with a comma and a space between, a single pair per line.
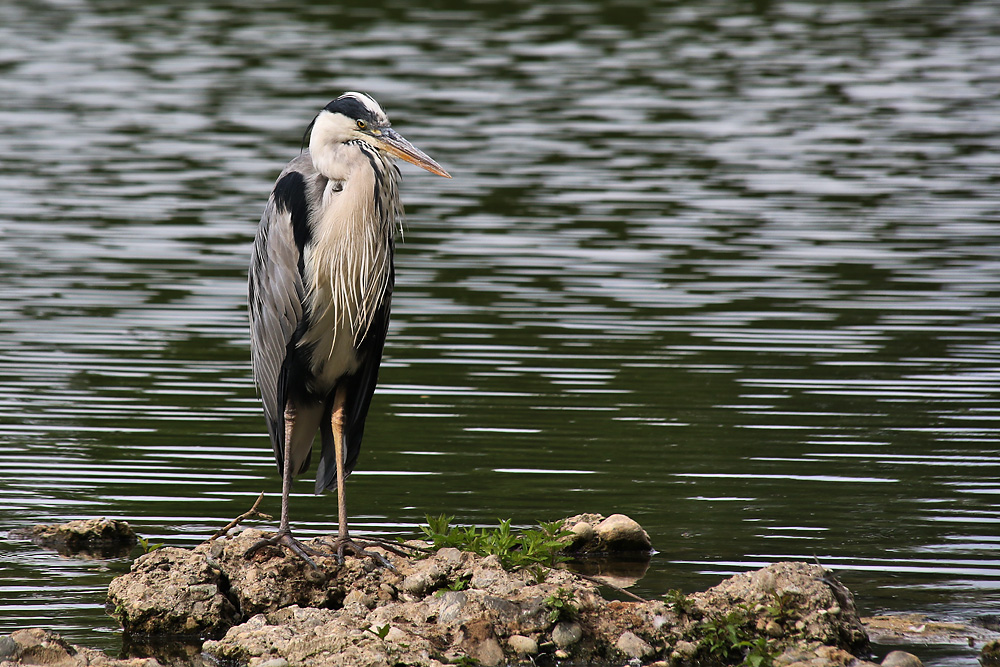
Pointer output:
350, 117
357, 117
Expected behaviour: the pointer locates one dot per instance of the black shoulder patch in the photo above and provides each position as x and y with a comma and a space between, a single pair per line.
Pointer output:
290, 195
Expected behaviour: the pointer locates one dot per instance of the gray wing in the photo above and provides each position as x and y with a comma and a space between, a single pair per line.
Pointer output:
276, 295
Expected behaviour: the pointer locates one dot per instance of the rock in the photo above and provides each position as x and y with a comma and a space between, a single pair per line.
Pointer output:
450, 606
273, 662
804, 592
618, 539
619, 533
451, 556
86, 538
171, 591
989, 656
685, 650
428, 575
921, 629
480, 643
35, 646
901, 659
566, 634
633, 646
273, 578
522, 645
583, 533
817, 655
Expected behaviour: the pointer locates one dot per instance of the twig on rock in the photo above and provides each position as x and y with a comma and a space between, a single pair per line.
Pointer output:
238, 520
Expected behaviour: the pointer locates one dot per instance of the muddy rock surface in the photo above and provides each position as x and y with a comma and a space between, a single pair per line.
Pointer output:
85, 538
272, 610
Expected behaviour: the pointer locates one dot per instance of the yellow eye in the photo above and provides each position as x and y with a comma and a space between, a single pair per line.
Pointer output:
362, 124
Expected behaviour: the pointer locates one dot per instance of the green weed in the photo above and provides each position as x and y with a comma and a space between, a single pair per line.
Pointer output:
379, 632
540, 546
561, 605
680, 603
148, 546
728, 640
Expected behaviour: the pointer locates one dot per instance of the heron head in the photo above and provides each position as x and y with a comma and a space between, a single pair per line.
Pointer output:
357, 117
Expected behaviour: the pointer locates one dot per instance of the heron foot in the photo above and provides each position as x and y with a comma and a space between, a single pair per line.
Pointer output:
285, 539
345, 545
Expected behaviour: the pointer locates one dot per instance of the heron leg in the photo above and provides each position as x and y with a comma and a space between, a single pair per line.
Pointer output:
284, 535
337, 418
344, 544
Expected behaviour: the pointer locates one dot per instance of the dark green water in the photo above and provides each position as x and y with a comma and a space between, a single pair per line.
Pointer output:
729, 268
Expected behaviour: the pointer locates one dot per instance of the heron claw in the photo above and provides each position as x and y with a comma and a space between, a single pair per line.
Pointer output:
345, 545
285, 539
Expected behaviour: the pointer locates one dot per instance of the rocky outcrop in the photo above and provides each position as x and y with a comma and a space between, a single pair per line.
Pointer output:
86, 538
451, 606
173, 591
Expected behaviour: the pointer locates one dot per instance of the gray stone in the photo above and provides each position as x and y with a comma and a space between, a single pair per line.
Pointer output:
633, 646
522, 645
565, 634
901, 659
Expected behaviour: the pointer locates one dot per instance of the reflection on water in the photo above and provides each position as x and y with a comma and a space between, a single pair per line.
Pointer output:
730, 269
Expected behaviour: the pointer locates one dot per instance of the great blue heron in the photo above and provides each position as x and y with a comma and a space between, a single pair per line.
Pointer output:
321, 279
